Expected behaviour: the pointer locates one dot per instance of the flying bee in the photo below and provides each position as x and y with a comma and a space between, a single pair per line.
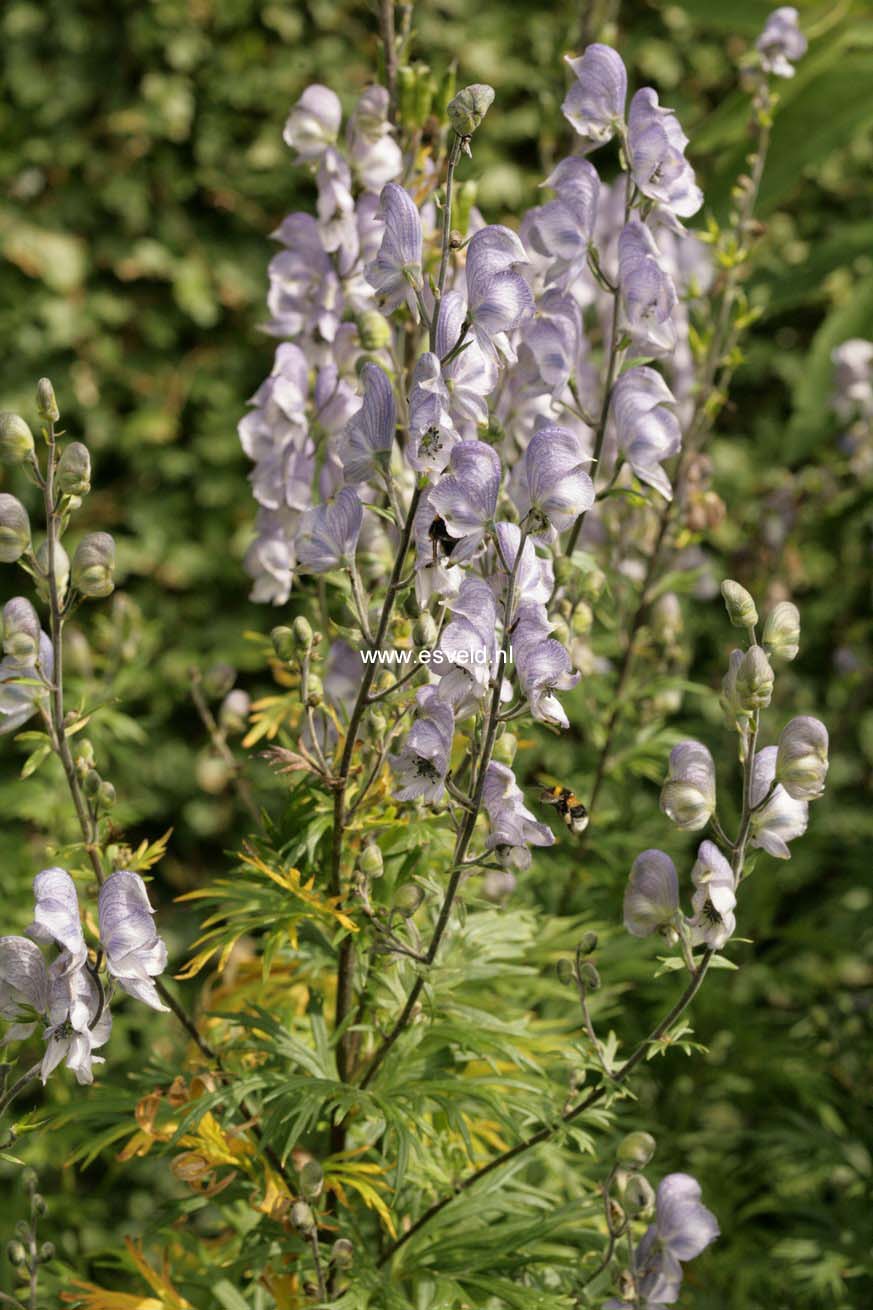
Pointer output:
440, 539
568, 805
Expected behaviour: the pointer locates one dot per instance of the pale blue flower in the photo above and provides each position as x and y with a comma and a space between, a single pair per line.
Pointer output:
783, 818
135, 954
314, 123
556, 487
714, 897
780, 42
688, 795
466, 496
498, 298
423, 760
56, 916
648, 296
656, 146
465, 658
542, 664
396, 271
433, 435
802, 758
594, 105
647, 430
513, 828
682, 1229
329, 534
23, 986
651, 898
20, 689
472, 375
369, 435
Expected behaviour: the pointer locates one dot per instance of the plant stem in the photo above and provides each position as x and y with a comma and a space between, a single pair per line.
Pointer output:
19, 1086
454, 156
389, 45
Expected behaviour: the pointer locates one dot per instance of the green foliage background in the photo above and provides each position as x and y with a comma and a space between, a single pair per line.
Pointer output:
141, 169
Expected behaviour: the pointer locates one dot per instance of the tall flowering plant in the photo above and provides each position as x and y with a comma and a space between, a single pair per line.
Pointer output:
466, 430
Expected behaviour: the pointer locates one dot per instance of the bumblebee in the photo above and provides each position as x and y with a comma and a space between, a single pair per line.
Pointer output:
568, 805
441, 540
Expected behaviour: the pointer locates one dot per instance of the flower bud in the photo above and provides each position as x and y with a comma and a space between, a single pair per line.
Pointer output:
582, 619
218, 680
283, 643
74, 470
651, 898
311, 1180
91, 783
782, 631
589, 977
314, 690
739, 605
46, 404
688, 795
105, 796
14, 529
20, 630
802, 758
667, 617
94, 565
498, 885
302, 629
234, 712
302, 1218
62, 572
374, 331
505, 748
342, 1253
407, 899
424, 632
15, 1253
754, 682
467, 193
370, 861
469, 107
16, 439
565, 971
587, 944
46, 1252
636, 1150
638, 1196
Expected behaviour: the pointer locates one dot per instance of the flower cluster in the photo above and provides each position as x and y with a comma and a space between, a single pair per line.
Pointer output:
67, 995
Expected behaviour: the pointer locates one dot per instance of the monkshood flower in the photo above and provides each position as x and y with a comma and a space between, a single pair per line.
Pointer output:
328, 534
683, 1227
535, 576
688, 795
781, 636
651, 898
472, 374
554, 337
513, 828
556, 488
802, 758
780, 42
714, 897
466, 496
465, 658
21, 631
395, 273
369, 435
304, 293
646, 429
498, 298
783, 818
594, 105
853, 378
20, 694
56, 916
374, 154
433, 435
79, 1022
753, 681
435, 571
648, 296
135, 954
336, 207
563, 229
314, 123
423, 761
656, 149
542, 664
270, 560
23, 986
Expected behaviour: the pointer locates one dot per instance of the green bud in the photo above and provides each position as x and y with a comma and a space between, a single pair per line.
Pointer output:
407, 899
29, 1181
74, 470
15, 1253
667, 617
582, 619
588, 944
589, 977
62, 571
739, 604
467, 109
46, 404
314, 690
782, 631
38, 1205
370, 861
374, 331
638, 1196
234, 712
302, 1218
91, 783
591, 583
342, 1253
302, 629
20, 630
424, 632
283, 643
311, 1180
406, 93
218, 680
46, 1252
505, 748
16, 439
105, 796
94, 565
467, 193
15, 529
754, 680
564, 970
636, 1150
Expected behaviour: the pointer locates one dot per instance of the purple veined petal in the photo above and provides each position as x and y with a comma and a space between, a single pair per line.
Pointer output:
594, 105
802, 758
782, 818
23, 979
651, 899
656, 145
56, 915
472, 374
647, 431
577, 185
134, 951
396, 270
314, 122
688, 796
492, 250
475, 601
430, 424
557, 485
535, 577
269, 562
466, 496
685, 1226
375, 155
557, 233
648, 296
369, 435
781, 41
328, 534
502, 303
